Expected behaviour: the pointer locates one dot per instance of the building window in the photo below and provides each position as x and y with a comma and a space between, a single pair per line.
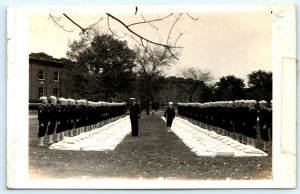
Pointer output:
56, 76
56, 92
41, 92
41, 75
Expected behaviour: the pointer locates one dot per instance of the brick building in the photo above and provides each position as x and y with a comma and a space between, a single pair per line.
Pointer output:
48, 77
45, 73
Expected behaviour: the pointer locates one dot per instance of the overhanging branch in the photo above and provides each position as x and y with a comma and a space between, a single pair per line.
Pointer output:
191, 16
149, 21
136, 34
171, 29
82, 29
55, 19
166, 46
169, 47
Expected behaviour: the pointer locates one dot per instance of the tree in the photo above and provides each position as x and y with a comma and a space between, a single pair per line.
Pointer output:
151, 61
198, 78
230, 88
260, 85
130, 28
147, 89
104, 66
75, 73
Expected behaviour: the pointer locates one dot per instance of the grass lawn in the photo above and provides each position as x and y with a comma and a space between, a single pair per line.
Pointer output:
155, 153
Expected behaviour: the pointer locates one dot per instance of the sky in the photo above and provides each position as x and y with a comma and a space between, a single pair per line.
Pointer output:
223, 43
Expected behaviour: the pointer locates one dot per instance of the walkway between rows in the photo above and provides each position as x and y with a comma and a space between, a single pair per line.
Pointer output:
154, 153
201, 141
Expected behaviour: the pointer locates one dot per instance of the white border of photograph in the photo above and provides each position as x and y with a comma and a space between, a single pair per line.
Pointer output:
284, 99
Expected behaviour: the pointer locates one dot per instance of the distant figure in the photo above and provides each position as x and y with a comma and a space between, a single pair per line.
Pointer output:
135, 114
169, 115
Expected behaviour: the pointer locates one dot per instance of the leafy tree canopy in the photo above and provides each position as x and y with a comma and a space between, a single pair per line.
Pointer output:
230, 88
107, 63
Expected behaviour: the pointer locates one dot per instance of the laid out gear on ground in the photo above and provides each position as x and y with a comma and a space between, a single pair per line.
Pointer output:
240, 119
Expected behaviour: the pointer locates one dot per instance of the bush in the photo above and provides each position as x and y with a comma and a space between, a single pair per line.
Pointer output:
34, 106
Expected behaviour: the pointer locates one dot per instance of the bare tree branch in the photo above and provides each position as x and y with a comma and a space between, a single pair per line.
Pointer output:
196, 78
129, 29
108, 24
82, 29
57, 19
171, 29
149, 21
191, 16
178, 38
168, 47
172, 53
197, 74
89, 27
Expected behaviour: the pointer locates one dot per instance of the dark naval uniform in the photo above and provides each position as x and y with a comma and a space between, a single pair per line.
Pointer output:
43, 120
61, 118
52, 118
251, 123
134, 116
169, 115
265, 123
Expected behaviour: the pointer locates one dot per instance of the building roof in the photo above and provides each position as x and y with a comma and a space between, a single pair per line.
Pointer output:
47, 60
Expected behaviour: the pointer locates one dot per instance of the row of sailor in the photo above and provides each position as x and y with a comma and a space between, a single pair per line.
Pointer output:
68, 117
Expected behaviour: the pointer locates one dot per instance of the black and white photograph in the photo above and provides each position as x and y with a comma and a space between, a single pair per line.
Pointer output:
143, 97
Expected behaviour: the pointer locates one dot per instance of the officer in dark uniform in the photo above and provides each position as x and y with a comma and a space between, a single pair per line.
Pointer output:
169, 115
135, 114
43, 120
